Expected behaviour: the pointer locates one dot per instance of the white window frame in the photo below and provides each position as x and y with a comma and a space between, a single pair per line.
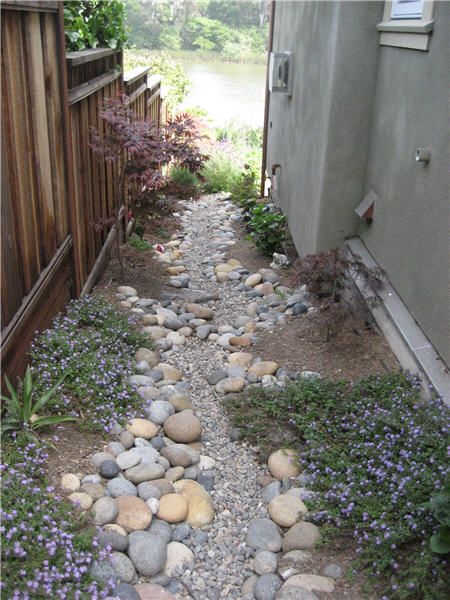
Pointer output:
407, 24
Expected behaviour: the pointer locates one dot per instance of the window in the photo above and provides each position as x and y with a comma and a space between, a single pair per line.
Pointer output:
407, 9
407, 24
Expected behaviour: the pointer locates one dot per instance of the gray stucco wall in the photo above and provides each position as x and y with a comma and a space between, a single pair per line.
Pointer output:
409, 236
320, 135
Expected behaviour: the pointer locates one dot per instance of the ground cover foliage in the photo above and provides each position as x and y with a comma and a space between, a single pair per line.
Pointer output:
46, 552
376, 454
92, 346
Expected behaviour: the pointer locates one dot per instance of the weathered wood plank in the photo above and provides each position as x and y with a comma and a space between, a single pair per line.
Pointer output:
40, 149
31, 5
83, 57
140, 90
90, 87
130, 77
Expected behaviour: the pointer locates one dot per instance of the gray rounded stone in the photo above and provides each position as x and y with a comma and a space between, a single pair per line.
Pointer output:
159, 411
160, 579
125, 591
161, 529
203, 331
105, 510
148, 552
177, 455
100, 457
191, 472
103, 571
144, 472
334, 571
181, 532
266, 587
109, 469
121, 487
295, 593
126, 439
128, 459
158, 442
215, 376
123, 567
299, 308
146, 490
116, 448
263, 534
113, 539
265, 562
271, 491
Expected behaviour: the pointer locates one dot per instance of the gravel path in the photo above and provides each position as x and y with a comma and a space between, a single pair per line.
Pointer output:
223, 562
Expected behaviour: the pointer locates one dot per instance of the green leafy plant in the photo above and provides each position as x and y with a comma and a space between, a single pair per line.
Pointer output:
184, 183
22, 409
440, 508
94, 23
267, 229
245, 188
138, 243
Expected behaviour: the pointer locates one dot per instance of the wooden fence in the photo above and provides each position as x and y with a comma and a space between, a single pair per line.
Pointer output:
53, 187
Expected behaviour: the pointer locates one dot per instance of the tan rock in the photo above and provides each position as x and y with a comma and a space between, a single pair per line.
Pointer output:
242, 359
301, 536
169, 372
265, 367
151, 356
250, 327
240, 341
114, 527
201, 312
81, 499
200, 505
286, 510
223, 268
222, 277
183, 427
125, 304
265, 288
95, 490
234, 263
152, 591
173, 508
231, 384
164, 486
177, 556
180, 402
70, 482
155, 332
150, 319
176, 254
175, 270
142, 428
253, 280
134, 514
310, 582
283, 463
174, 473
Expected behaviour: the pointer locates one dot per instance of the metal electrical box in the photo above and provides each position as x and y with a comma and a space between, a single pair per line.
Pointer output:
281, 72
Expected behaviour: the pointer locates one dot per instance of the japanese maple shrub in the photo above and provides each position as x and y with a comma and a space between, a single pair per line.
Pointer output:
140, 150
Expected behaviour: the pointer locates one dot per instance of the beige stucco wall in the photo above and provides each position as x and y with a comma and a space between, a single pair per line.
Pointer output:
357, 114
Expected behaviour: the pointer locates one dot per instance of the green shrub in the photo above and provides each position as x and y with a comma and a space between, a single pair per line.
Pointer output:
440, 508
267, 229
375, 453
138, 243
185, 183
221, 173
94, 23
246, 187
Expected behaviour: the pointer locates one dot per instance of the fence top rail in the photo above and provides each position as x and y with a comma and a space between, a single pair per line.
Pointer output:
86, 56
153, 81
31, 5
130, 77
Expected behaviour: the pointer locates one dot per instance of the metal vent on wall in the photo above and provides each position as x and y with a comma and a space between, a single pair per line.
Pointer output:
281, 71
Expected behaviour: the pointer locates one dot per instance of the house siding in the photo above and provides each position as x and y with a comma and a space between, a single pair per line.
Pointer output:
357, 115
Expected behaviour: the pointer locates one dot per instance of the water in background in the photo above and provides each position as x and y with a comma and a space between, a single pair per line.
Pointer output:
227, 91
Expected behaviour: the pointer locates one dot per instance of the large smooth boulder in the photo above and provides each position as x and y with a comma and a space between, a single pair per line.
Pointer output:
178, 555
263, 534
283, 463
183, 427
200, 505
148, 552
301, 536
134, 514
286, 510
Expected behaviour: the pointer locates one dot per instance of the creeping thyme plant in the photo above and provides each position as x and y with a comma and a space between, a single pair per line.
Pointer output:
376, 453
93, 346
44, 554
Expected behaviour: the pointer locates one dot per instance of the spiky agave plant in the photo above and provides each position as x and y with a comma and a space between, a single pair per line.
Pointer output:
22, 412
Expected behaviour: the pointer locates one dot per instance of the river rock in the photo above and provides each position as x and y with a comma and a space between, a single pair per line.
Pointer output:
174, 473
265, 562
200, 505
81, 500
183, 427
286, 510
148, 552
128, 459
263, 534
200, 312
310, 582
332, 570
152, 591
123, 567
105, 510
144, 472
143, 428
173, 508
178, 555
295, 593
95, 490
283, 464
301, 536
170, 373
164, 486
253, 280
125, 591
266, 587
242, 359
265, 367
161, 529
177, 455
99, 457
159, 411
126, 439
113, 539
133, 513
230, 385
126, 290
151, 356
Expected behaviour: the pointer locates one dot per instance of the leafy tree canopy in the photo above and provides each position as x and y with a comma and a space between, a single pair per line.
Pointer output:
94, 24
